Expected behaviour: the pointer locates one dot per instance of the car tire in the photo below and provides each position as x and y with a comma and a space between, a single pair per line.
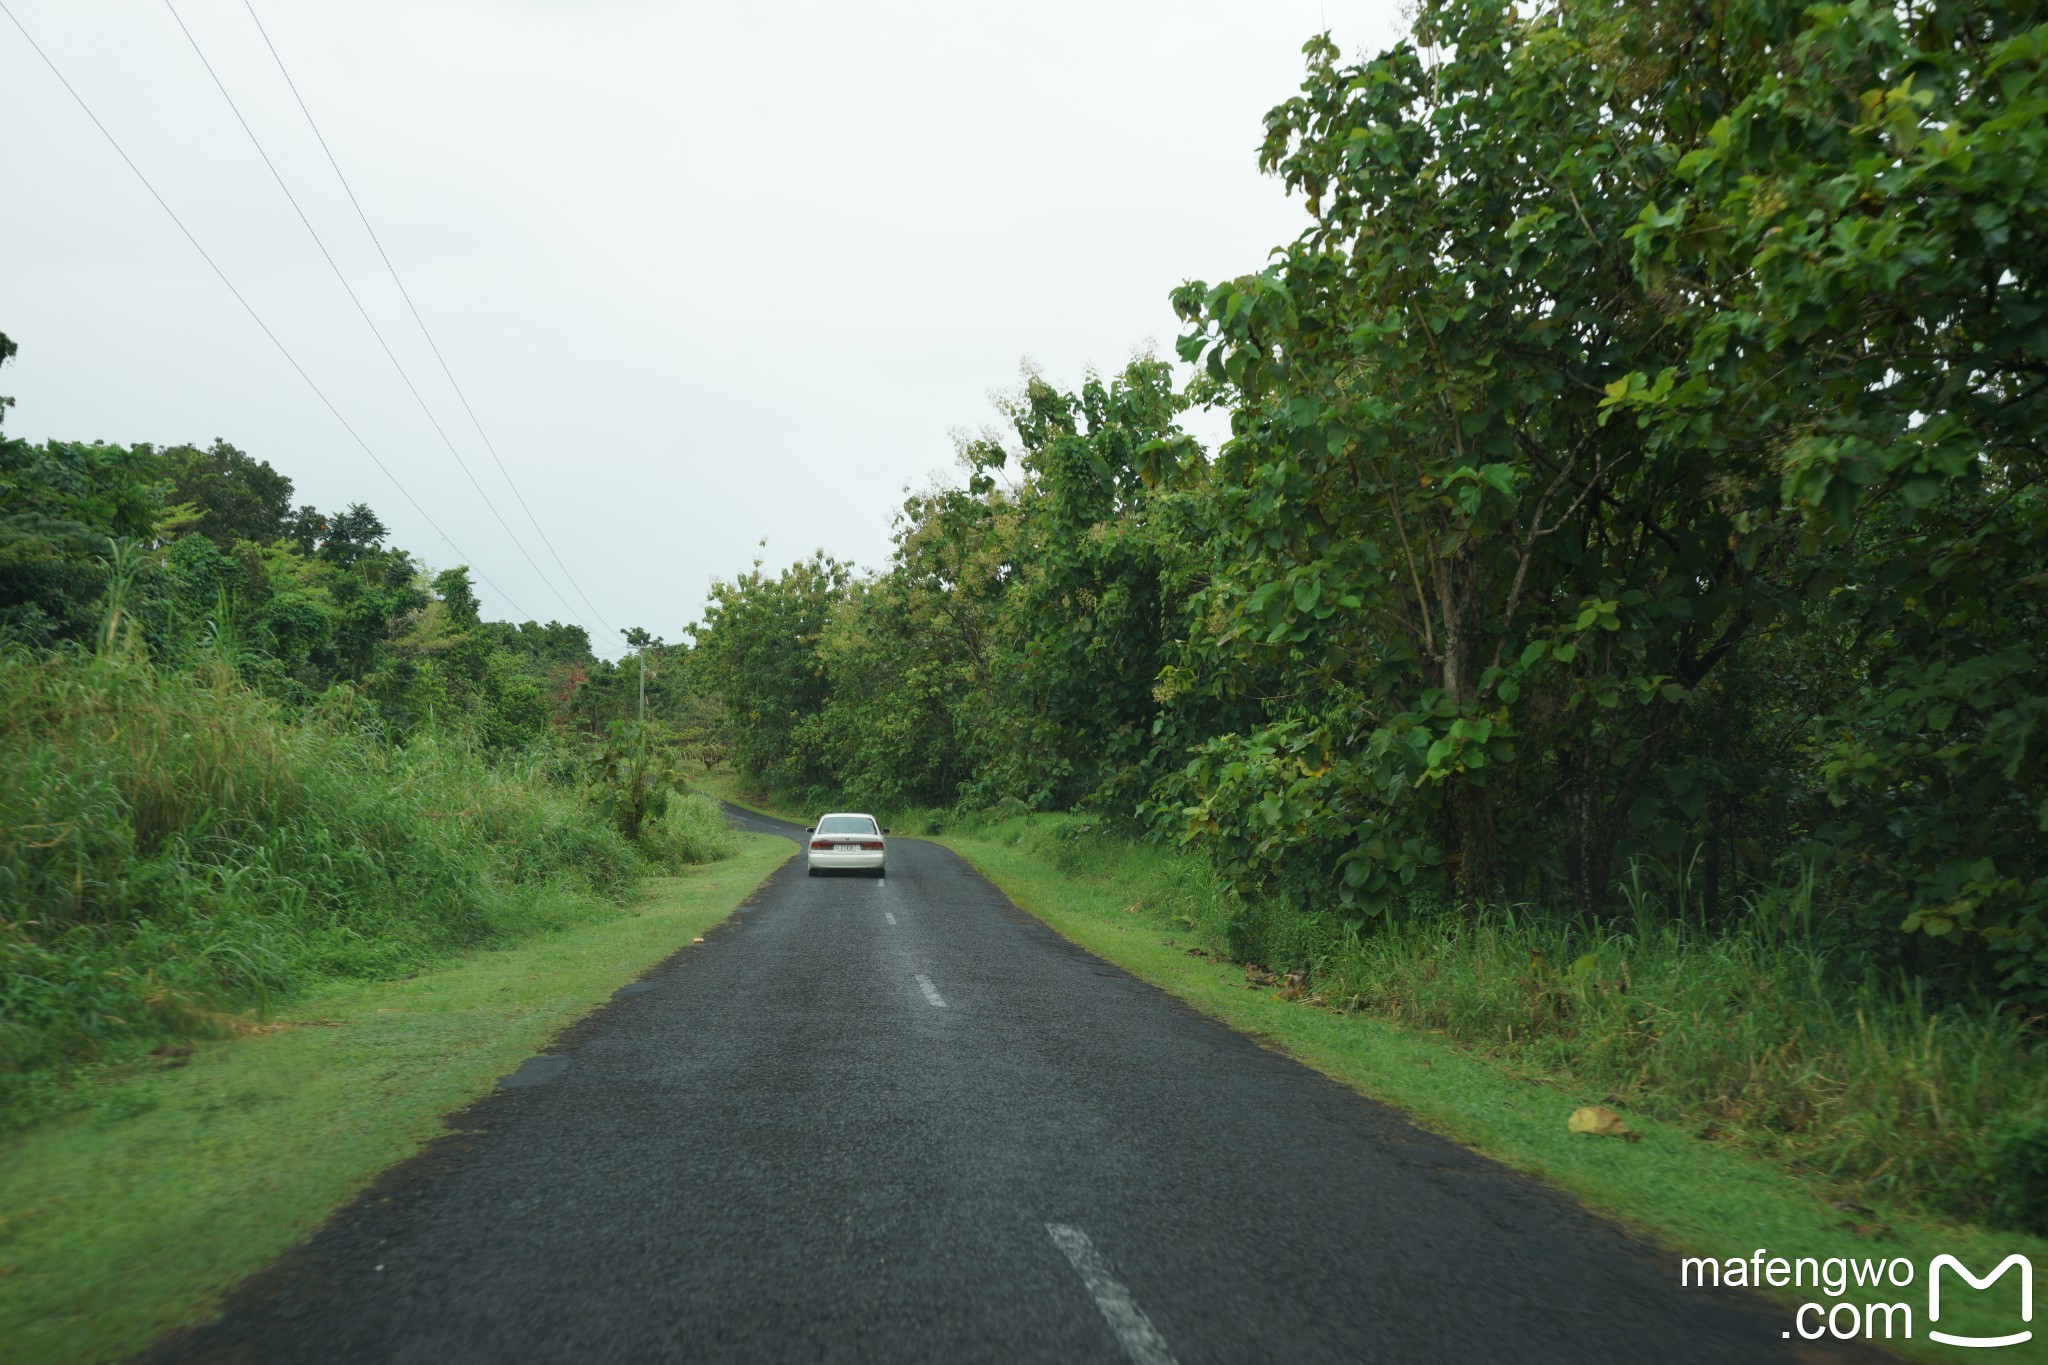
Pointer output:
810, 871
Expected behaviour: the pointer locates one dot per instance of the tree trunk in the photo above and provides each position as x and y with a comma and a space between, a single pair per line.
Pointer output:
1472, 824
1468, 806
1585, 873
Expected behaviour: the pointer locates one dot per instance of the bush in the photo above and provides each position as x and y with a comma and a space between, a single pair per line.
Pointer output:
692, 829
175, 848
2018, 1170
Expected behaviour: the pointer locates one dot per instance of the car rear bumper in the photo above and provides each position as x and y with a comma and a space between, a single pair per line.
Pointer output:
857, 860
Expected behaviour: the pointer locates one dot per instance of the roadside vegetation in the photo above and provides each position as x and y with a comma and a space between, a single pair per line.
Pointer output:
247, 748
1611, 634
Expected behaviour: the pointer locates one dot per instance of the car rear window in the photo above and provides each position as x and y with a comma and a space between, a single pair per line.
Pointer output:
846, 824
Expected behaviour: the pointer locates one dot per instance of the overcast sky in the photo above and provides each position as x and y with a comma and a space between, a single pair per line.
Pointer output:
708, 273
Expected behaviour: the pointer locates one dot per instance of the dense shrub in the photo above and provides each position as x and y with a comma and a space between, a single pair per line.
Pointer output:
692, 829
175, 848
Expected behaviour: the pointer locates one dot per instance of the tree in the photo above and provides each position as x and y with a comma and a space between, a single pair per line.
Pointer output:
63, 507
1099, 585
353, 536
458, 597
758, 646
1504, 602
237, 497
1859, 240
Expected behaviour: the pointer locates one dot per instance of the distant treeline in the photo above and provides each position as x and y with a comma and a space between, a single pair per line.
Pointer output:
1635, 475
204, 554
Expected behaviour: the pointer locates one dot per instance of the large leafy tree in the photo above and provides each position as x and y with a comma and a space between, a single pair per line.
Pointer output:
1859, 244
64, 508
1094, 602
1496, 606
757, 646
234, 496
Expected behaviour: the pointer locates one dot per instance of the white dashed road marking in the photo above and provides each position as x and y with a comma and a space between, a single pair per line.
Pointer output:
931, 992
889, 915
1134, 1331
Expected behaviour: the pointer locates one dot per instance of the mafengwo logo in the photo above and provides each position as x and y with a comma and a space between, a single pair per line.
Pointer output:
2012, 1262
1849, 1281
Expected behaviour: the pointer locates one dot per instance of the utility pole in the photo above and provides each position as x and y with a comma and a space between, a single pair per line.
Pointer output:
640, 640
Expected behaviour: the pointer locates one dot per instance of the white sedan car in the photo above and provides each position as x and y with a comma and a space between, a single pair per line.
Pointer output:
850, 841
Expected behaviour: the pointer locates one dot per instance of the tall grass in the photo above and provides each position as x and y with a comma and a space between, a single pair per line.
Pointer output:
692, 829
175, 849
1769, 1040
1755, 1031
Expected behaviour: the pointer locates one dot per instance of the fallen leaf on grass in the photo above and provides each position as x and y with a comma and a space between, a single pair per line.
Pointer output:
696, 940
1600, 1121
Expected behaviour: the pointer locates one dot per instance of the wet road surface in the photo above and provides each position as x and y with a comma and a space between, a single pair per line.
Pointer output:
898, 1120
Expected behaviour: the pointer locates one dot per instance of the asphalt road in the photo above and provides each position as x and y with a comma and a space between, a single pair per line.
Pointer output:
898, 1120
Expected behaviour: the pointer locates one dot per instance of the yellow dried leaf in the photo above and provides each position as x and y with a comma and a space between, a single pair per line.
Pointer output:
1600, 1121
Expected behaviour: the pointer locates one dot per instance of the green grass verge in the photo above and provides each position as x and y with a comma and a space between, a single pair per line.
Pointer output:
132, 1218
1686, 1194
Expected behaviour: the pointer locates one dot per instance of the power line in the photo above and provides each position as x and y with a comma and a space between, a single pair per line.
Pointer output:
254, 316
406, 294
368, 321
357, 301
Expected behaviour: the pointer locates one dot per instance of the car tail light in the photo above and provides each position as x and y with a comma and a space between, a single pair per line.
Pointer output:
873, 848
824, 844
